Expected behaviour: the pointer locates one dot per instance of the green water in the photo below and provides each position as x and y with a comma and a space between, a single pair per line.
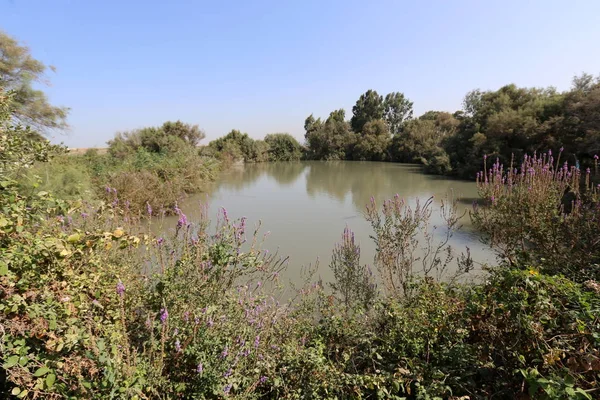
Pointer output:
306, 205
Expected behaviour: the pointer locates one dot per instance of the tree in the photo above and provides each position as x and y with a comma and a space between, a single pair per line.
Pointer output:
368, 107
397, 109
373, 144
283, 147
18, 72
186, 132
332, 140
337, 115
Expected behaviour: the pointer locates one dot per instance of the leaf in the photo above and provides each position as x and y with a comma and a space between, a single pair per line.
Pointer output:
50, 380
3, 269
41, 371
74, 238
15, 391
3, 222
11, 362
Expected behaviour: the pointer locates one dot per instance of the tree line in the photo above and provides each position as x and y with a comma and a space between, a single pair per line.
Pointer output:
506, 123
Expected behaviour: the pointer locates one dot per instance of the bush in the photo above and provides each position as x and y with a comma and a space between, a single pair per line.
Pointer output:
283, 147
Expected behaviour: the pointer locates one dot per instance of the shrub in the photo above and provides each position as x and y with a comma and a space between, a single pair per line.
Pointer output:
543, 214
283, 147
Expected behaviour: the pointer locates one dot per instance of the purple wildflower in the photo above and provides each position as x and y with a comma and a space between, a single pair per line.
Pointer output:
182, 220
148, 208
164, 314
257, 341
177, 346
186, 316
263, 379
595, 156
84, 215
210, 322
199, 368
227, 389
120, 288
228, 373
160, 241
225, 352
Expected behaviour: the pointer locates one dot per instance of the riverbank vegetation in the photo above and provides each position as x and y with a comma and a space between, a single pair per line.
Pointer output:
94, 305
505, 123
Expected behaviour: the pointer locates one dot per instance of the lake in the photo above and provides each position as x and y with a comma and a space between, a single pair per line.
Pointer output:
306, 205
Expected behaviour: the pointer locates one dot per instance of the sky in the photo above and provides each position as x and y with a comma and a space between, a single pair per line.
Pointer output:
263, 66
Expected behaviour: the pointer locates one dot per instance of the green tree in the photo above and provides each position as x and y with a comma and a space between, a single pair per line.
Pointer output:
283, 147
368, 107
373, 143
397, 109
18, 73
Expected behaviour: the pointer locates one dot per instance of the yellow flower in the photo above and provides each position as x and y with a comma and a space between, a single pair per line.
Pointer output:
533, 272
118, 233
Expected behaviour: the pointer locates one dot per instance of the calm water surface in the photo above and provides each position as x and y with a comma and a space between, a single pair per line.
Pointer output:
306, 205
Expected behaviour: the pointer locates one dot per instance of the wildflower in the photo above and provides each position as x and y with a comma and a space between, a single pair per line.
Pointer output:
148, 208
225, 352
227, 389
160, 241
228, 373
120, 288
84, 215
210, 322
182, 220
561, 149
96, 303
199, 368
186, 316
258, 284
257, 341
263, 379
176, 332
533, 272
177, 346
164, 314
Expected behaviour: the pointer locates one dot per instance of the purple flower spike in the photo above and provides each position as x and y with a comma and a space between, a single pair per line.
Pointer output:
120, 288
199, 368
257, 341
164, 315
227, 389
160, 241
148, 208
225, 352
177, 346
228, 373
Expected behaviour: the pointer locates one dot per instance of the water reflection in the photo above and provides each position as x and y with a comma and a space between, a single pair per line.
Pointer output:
306, 205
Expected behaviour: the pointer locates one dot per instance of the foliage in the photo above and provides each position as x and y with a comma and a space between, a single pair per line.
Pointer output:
18, 72
369, 107
544, 213
283, 147
373, 143
354, 283
331, 140
397, 110
171, 137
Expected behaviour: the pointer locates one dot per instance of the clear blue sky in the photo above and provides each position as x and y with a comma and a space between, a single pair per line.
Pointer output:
264, 66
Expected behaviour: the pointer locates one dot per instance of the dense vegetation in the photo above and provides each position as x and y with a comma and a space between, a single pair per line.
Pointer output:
93, 305
510, 121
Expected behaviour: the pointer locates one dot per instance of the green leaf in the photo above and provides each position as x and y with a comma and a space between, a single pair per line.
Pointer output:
11, 362
50, 380
74, 238
3, 269
15, 391
41, 371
